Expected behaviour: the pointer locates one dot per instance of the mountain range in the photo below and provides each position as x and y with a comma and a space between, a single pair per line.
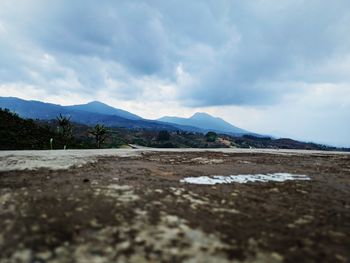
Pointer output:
97, 112
205, 122
101, 108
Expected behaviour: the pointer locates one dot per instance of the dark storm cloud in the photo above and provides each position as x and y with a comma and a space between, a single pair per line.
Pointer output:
280, 43
232, 52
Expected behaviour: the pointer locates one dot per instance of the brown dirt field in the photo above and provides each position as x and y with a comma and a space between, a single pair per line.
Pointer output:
134, 209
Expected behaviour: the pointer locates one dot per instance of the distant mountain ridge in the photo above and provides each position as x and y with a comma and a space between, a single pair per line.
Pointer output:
206, 122
47, 111
97, 112
102, 108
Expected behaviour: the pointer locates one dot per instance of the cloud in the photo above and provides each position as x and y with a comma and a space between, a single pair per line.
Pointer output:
276, 42
237, 48
311, 116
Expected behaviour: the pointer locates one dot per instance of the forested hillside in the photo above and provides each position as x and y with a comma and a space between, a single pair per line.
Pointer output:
26, 134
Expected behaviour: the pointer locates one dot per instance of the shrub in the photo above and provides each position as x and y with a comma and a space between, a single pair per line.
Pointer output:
211, 136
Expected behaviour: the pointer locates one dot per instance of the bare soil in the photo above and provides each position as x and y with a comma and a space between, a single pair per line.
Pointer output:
134, 209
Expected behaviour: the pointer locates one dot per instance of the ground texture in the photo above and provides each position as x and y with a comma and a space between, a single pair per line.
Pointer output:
130, 206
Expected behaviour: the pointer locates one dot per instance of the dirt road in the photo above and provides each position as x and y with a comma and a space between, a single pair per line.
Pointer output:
130, 206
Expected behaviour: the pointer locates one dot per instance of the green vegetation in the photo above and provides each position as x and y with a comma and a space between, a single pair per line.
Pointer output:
163, 136
100, 133
211, 136
21, 134
65, 129
17, 133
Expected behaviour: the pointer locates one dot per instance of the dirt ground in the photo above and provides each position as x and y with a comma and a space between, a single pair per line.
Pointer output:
133, 208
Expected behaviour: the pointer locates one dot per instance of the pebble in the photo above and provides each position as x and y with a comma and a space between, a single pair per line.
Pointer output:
124, 246
94, 223
35, 228
22, 256
341, 258
277, 256
45, 255
44, 216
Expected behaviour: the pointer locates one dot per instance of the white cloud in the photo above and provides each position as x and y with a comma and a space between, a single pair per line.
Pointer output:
2, 28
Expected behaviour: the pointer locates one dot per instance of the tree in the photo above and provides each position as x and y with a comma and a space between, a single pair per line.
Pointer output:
163, 136
100, 133
211, 136
25, 134
65, 129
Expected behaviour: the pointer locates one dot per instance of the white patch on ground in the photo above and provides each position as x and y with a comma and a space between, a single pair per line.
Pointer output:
21, 256
196, 245
4, 198
7, 203
201, 202
202, 160
192, 244
245, 178
122, 193
306, 219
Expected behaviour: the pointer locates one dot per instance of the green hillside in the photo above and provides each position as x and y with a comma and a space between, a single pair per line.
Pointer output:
20, 134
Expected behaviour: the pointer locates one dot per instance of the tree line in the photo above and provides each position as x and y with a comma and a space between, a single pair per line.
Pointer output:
17, 133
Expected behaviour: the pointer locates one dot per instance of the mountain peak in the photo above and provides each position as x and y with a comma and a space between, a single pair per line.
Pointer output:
201, 115
97, 103
103, 108
206, 122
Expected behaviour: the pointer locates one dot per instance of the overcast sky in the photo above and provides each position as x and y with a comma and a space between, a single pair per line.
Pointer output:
278, 67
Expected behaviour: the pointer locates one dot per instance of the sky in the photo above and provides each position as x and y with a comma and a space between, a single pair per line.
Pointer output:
279, 67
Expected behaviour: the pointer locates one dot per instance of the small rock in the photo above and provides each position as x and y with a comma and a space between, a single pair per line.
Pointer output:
45, 255
336, 235
304, 220
44, 216
35, 228
341, 258
277, 256
94, 223
61, 251
124, 246
171, 220
302, 191
22, 256
139, 240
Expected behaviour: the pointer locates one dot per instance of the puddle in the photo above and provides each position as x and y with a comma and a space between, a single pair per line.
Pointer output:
245, 178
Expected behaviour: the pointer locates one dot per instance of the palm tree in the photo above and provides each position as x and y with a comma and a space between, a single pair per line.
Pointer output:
100, 133
65, 128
